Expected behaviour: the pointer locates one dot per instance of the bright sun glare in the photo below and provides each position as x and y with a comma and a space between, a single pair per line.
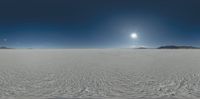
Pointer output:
134, 35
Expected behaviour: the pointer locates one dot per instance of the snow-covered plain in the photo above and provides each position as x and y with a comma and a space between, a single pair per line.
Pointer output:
99, 74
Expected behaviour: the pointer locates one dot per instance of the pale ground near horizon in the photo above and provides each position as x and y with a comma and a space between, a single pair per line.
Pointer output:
99, 74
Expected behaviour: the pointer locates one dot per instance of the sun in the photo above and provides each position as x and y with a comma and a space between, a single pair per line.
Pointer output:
134, 35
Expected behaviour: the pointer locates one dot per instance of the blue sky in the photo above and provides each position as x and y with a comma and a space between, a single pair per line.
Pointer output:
98, 23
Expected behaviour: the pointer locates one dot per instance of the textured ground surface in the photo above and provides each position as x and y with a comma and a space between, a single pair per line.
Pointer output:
100, 74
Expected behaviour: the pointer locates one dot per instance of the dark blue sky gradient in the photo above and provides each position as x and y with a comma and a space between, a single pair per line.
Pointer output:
98, 23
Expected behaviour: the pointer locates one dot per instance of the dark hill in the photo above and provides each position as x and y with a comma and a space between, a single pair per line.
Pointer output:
177, 47
3, 47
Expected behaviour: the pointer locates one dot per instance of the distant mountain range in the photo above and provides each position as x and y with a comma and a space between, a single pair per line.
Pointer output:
170, 47
161, 47
177, 47
3, 47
